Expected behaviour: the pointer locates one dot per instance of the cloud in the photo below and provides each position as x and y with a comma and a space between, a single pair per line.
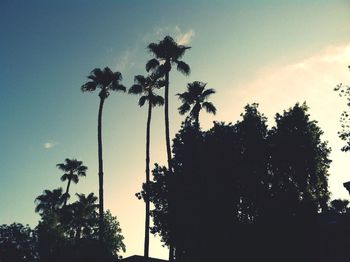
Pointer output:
183, 38
158, 33
125, 61
49, 145
311, 79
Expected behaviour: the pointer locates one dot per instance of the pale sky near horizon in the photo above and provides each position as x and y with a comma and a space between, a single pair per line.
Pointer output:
275, 53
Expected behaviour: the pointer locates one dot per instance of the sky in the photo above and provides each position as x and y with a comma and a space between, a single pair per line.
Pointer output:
275, 53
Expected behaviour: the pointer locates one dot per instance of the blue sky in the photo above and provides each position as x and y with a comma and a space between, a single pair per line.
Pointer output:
275, 53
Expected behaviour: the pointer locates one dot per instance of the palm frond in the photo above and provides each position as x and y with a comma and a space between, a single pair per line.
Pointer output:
115, 86
159, 100
142, 100
152, 65
186, 97
209, 107
140, 80
64, 177
160, 83
136, 89
96, 75
208, 92
117, 76
184, 108
156, 100
75, 179
89, 86
183, 67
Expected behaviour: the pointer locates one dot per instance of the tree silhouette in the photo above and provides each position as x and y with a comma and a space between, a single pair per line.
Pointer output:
196, 96
339, 206
84, 214
145, 87
167, 53
49, 201
17, 243
106, 80
73, 169
344, 133
244, 187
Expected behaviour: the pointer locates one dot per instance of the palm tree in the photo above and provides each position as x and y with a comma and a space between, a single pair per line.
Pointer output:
49, 201
196, 96
167, 53
73, 169
84, 213
106, 80
145, 86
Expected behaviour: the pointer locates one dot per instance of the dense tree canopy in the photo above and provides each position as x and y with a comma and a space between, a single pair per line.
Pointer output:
244, 187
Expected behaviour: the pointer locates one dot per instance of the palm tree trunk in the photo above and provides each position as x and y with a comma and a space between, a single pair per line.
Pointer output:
166, 116
167, 134
197, 119
147, 220
68, 185
100, 169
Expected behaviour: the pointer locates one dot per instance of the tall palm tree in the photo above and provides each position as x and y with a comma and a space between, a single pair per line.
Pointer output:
49, 201
145, 86
196, 96
73, 169
167, 53
106, 80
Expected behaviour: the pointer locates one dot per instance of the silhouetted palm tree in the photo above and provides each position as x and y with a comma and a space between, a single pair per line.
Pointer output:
49, 201
196, 96
167, 53
145, 86
84, 213
107, 81
73, 169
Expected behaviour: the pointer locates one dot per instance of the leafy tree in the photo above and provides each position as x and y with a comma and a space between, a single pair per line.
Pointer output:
244, 187
73, 169
344, 133
106, 80
113, 238
196, 96
299, 182
145, 86
17, 243
339, 206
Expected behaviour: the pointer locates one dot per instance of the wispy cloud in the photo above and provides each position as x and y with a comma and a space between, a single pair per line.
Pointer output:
125, 61
311, 79
49, 145
183, 38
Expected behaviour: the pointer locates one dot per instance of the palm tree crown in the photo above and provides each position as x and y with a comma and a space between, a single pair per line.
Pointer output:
196, 96
49, 201
145, 87
167, 52
106, 80
73, 169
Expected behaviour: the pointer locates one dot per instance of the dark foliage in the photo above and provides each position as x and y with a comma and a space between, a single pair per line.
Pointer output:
243, 191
